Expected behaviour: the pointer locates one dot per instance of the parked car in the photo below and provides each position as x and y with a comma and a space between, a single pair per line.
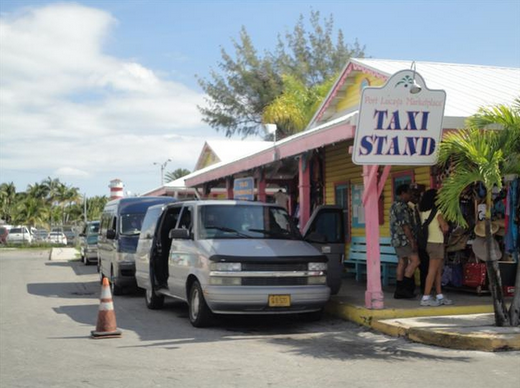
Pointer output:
4, 232
71, 235
118, 235
57, 238
88, 242
225, 257
40, 235
68, 231
19, 235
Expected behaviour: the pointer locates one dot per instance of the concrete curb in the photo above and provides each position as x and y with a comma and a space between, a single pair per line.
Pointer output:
63, 254
468, 327
472, 340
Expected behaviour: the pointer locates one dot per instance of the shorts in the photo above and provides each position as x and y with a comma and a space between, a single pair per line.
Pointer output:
435, 250
405, 251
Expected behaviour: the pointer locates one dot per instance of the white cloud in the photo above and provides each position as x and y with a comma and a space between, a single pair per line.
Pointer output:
70, 109
71, 172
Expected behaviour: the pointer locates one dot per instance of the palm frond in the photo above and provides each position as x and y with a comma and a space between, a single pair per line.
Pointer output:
450, 192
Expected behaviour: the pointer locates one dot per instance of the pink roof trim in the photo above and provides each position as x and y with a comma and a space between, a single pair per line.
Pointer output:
307, 141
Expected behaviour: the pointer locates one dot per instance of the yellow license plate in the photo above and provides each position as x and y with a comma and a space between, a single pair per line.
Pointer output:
279, 300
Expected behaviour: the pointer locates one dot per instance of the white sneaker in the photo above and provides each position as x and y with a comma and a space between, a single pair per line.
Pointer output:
445, 301
432, 302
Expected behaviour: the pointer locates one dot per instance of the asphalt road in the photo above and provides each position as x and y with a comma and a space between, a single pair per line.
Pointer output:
47, 310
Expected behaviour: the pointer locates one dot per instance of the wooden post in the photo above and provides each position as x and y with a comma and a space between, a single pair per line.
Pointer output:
374, 298
262, 197
229, 188
304, 178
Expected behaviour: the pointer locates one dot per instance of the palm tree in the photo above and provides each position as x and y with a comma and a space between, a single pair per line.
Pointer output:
31, 211
477, 155
95, 206
52, 186
7, 200
294, 108
38, 190
67, 197
176, 174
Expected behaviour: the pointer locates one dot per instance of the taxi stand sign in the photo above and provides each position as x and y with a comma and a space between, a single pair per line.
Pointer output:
396, 127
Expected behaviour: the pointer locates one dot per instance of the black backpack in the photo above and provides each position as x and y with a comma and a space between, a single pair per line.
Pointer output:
422, 232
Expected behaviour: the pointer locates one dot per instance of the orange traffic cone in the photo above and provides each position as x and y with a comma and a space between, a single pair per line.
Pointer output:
106, 324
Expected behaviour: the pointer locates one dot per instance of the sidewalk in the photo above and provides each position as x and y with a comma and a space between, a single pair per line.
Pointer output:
467, 324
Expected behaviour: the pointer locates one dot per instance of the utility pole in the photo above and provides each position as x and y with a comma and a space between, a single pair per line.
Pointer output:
85, 208
162, 165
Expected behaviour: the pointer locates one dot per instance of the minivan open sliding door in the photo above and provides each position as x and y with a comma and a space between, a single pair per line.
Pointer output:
326, 231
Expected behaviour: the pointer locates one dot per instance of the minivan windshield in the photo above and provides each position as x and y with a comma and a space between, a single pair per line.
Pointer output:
246, 221
131, 223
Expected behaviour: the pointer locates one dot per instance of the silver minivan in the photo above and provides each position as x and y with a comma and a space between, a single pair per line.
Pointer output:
119, 230
229, 257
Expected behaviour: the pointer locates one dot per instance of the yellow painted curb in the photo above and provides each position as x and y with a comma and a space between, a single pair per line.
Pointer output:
443, 337
368, 317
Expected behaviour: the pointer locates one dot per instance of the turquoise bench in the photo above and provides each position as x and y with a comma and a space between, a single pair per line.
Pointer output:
357, 259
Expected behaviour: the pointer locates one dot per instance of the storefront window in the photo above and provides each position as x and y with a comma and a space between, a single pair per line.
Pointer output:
341, 195
358, 211
401, 178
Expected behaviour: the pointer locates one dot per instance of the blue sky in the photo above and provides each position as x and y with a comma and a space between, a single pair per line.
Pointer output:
96, 90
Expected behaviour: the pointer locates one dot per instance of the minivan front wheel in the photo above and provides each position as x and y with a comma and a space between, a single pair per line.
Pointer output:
114, 287
199, 312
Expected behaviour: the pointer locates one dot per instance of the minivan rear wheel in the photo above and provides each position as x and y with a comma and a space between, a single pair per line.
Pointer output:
199, 312
153, 300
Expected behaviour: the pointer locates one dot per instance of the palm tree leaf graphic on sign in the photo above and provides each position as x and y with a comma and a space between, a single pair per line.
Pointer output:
406, 81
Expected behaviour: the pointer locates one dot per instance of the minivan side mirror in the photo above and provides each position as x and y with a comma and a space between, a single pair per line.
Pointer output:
111, 234
179, 234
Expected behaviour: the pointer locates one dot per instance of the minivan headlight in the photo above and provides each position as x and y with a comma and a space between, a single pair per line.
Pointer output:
317, 266
228, 267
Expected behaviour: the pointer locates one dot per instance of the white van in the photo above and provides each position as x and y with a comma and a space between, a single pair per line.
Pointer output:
119, 230
229, 257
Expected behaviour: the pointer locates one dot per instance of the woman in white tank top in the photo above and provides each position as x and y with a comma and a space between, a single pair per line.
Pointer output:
435, 249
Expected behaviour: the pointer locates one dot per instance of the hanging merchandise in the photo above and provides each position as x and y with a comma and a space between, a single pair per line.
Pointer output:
457, 240
481, 210
474, 274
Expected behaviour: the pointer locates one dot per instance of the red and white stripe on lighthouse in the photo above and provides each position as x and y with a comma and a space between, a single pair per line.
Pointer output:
116, 189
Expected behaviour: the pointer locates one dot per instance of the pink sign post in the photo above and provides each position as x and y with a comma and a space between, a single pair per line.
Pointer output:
374, 298
399, 123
